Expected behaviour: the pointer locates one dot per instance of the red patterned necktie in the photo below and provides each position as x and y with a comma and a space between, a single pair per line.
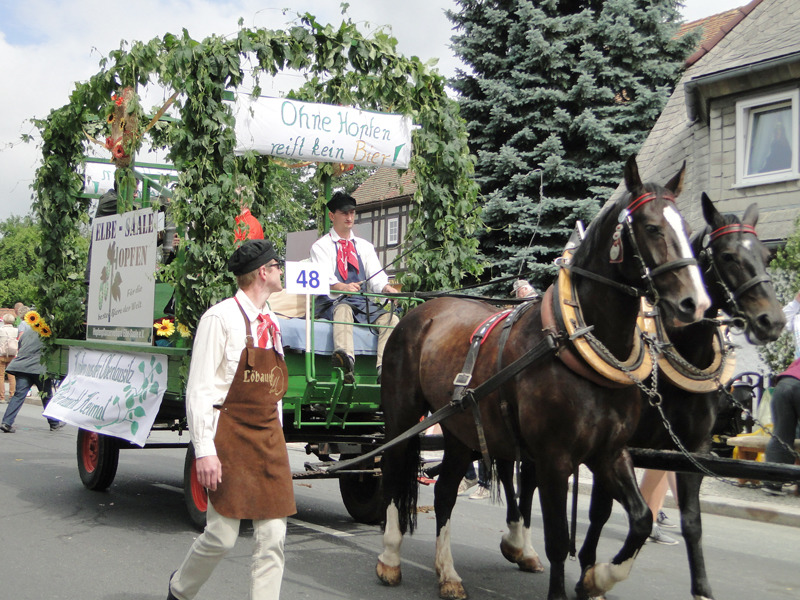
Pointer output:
265, 331
346, 253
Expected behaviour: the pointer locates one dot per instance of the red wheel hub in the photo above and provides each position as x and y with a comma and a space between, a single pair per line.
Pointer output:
199, 494
90, 451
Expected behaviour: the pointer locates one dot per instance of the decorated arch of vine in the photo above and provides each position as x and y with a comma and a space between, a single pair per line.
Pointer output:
342, 66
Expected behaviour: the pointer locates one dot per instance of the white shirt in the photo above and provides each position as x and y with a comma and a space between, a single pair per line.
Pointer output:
324, 251
792, 312
218, 345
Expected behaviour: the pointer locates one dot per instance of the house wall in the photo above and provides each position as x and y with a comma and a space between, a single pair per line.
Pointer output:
377, 214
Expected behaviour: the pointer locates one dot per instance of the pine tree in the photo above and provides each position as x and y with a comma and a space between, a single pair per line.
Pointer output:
559, 94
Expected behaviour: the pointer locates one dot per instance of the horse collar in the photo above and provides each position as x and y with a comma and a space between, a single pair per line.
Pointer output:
561, 311
683, 374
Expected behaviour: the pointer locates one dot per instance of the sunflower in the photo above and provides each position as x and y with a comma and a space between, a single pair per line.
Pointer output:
164, 328
45, 331
32, 318
184, 330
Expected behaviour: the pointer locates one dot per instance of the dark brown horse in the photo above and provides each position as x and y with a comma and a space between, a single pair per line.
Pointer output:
558, 418
734, 262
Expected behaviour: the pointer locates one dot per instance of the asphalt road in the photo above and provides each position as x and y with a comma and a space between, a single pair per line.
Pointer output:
61, 541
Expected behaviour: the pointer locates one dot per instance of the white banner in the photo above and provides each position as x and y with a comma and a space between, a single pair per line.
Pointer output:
112, 393
121, 279
306, 132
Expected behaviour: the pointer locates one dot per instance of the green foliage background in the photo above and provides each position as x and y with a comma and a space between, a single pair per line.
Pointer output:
342, 66
559, 93
785, 270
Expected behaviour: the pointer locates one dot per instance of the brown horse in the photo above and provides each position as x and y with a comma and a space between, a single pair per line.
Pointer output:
734, 264
558, 418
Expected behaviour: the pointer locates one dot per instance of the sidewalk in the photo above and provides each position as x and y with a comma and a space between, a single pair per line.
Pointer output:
720, 498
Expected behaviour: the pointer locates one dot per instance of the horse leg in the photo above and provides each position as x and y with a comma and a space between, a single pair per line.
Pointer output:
516, 545
599, 511
399, 467
456, 459
552, 482
692, 529
619, 479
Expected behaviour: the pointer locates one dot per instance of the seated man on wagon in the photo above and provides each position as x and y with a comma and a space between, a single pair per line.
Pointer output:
356, 268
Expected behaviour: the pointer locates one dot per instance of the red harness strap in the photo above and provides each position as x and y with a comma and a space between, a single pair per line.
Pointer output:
731, 228
483, 330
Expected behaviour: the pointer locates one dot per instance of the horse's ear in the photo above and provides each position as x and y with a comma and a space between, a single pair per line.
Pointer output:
751, 215
675, 185
632, 180
710, 212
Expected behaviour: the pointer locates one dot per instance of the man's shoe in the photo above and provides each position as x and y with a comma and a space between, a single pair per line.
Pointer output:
481, 493
57, 426
664, 521
773, 489
6, 428
341, 360
170, 595
659, 537
466, 485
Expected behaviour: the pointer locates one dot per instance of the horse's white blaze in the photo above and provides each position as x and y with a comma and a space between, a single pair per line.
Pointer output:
444, 557
608, 574
748, 244
392, 538
675, 221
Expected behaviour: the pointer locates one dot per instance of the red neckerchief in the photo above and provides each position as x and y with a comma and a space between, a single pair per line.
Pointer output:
346, 253
266, 329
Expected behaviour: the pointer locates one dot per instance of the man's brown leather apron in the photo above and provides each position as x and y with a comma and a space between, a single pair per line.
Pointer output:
256, 478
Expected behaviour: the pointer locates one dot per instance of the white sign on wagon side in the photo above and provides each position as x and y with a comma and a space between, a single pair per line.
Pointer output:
122, 278
113, 393
308, 278
309, 132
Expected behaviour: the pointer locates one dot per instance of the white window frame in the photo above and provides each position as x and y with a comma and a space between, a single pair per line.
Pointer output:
393, 231
745, 111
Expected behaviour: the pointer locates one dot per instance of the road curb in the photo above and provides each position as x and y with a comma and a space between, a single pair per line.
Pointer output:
728, 507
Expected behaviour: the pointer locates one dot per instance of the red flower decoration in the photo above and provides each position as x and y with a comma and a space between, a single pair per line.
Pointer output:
109, 143
119, 151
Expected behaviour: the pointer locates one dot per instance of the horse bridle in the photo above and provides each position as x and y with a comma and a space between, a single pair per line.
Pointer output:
731, 296
625, 221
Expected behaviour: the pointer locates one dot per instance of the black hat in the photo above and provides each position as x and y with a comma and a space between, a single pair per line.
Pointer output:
341, 201
251, 255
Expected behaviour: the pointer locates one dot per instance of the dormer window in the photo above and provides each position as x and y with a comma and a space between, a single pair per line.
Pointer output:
767, 135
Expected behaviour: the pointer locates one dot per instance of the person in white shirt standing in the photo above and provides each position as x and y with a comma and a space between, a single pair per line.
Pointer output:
356, 268
792, 312
236, 381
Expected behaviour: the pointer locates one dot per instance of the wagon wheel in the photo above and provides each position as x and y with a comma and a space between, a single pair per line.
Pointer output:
98, 457
362, 495
194, 494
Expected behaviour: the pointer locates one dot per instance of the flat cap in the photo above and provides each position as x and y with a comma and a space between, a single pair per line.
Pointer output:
341, 201
251, 255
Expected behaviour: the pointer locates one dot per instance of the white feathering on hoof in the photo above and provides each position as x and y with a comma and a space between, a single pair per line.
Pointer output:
604, 576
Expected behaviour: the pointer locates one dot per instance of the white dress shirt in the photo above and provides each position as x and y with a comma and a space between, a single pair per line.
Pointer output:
217, 347
792, 312
324, 251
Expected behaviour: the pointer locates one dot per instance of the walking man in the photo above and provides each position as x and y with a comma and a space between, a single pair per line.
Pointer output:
236, 380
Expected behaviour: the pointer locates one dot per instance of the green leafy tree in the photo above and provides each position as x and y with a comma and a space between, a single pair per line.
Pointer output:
785, 271
19, 240
557, 95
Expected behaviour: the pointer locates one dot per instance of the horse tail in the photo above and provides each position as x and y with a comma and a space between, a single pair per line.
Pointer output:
407, 485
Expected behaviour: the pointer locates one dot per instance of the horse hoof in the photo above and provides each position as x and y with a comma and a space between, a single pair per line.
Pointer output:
587, 587
584, 595
388, 575
531, 565
514, 555
452, 590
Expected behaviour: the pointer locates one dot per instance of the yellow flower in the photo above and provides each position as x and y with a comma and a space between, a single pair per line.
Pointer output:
32, 318
45, 331
164, 328
38, 325
184, 331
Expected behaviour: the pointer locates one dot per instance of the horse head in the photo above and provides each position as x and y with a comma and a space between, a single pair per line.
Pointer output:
734, 262
642, 239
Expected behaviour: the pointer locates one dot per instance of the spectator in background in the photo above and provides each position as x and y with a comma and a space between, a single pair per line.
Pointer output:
28, 369
7, 333
523, 289
785, 403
